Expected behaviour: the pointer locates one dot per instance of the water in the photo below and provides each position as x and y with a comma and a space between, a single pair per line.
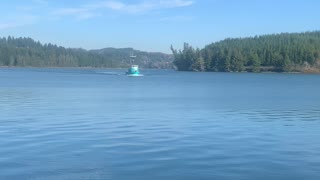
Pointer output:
100, 124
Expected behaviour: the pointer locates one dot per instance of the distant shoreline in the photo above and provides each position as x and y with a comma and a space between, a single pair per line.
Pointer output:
54, 67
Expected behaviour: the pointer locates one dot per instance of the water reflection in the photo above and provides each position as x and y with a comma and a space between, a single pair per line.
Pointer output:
83, 125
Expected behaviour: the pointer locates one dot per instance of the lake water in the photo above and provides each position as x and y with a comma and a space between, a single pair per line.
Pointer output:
100, 124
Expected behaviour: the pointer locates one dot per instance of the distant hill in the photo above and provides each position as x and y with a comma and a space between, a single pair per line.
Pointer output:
143, 59
285, 52
26, 52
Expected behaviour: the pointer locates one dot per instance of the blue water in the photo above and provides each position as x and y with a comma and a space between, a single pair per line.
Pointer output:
100, 124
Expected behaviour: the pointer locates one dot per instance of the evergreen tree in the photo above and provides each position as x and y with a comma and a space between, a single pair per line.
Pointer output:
277, 52
27, 52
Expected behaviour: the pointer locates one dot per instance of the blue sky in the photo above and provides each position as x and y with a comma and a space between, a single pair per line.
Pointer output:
152, 25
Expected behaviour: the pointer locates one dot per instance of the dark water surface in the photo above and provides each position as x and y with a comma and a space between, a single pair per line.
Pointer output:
100, 124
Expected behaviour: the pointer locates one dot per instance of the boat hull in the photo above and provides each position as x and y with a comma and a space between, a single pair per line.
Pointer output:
133, 71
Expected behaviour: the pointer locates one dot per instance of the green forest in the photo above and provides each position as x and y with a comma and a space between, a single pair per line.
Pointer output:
26, 52
285, 52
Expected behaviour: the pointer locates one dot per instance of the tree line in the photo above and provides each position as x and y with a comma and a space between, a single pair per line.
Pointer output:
26, 52
285, 52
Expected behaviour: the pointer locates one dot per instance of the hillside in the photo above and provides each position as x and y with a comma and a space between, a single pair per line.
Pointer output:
285, 52
26, 52
144, 59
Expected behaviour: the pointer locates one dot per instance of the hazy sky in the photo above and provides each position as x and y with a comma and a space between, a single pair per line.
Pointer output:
152, 25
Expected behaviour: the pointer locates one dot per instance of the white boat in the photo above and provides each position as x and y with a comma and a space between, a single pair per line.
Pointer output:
133, 71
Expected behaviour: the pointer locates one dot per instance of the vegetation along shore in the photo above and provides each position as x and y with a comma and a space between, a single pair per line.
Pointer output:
26, 52
285, 52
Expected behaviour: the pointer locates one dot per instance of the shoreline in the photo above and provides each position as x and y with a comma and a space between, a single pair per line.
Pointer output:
54, 67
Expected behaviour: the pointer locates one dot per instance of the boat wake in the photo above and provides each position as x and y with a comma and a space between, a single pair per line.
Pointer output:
110, 73
135, 75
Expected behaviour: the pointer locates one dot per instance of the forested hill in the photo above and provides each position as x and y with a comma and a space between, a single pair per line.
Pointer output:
25, 52
285, 52
144, 59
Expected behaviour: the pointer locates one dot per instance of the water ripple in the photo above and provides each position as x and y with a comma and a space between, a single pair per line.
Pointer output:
82, 124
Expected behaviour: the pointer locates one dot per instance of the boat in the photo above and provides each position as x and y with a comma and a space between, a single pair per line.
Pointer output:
134, 69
